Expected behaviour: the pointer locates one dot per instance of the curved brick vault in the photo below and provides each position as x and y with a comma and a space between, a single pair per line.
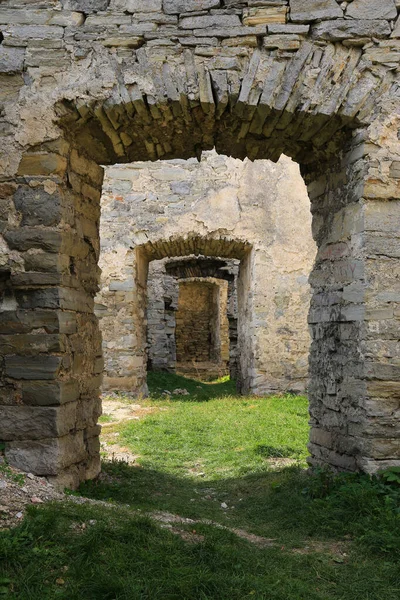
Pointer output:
97, 82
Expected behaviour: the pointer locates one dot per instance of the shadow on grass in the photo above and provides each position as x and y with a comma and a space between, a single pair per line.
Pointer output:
200, 391
97, 552
269, 504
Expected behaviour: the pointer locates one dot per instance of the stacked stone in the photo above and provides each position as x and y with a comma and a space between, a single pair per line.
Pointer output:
50, 347
116, 81
194, 322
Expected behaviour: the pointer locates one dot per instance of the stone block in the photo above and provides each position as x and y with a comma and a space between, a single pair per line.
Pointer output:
26, 344
343, 29
11, 59
36, 422
42, 163
46, 456
122, 286
44, 393
32, 367
305, 11
372, 9
209, 21
37, 207
86, 6
185, 6
25, 238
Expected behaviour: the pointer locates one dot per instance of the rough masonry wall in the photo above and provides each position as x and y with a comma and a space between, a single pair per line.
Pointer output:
96, 82
194, 322
260, 204
163, 286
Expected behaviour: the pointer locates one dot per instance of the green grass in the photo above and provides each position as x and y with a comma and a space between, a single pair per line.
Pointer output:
334, 538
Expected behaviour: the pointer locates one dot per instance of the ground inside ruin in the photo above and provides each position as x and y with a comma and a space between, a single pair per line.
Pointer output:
203, 494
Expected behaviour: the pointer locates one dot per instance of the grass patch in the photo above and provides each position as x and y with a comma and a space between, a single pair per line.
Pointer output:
233, 460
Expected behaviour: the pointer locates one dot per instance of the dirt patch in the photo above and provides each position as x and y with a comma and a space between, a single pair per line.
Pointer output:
117, 410
19, 490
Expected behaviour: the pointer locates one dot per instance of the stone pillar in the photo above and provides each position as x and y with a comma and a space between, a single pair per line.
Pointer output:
50, 346
354, 315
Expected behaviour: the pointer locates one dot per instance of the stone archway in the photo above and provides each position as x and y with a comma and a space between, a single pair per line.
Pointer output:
152, 85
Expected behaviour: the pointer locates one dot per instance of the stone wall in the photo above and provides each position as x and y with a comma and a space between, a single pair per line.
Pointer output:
163, 287
261, 205
196, 322
97, 82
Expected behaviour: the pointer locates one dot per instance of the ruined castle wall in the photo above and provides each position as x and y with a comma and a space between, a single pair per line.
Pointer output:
85, 83
262, 204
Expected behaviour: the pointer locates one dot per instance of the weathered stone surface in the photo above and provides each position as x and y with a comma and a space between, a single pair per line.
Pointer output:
37, 207
188, 199
185, 6
36, 367
47, 456
305, 11
342, 29
209, 21
11, 59
261, 16
43, 393
86, 6
34, 422
31, 237
135, 6
372, 9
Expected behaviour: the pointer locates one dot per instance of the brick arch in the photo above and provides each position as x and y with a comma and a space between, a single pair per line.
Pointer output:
332, 106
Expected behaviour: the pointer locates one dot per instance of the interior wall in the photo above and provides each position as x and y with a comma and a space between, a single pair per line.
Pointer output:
262, 205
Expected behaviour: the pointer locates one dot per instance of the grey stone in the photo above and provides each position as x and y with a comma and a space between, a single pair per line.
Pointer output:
37, 206
30, 237
288, 28
305, 11
209, 21
135, 6
185, 6
372, 9
46, 456
86, 6
11, 59
32, 367
43, 393
342, 29
122, 286
35, 422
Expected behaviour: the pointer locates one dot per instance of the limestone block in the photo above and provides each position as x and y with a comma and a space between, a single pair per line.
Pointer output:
288, 28
46, 456
35, 367
185, 6
43, 393
43, 163
372, 9
342, 29
37, 207
29, 237
15, 35
86, 6
283, 42
304, 11
11, 59
209, 21
35, 422
31, 344
134, 6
